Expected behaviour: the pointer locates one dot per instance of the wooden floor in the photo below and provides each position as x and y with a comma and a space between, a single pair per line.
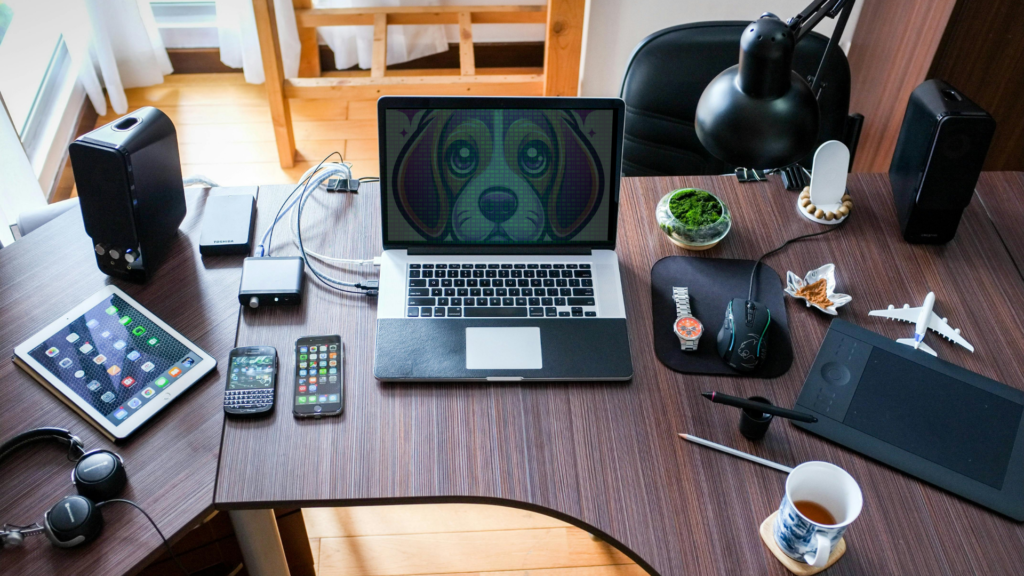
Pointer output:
460, 539
224, 129
224, 133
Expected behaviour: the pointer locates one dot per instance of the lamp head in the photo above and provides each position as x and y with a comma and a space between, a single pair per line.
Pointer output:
759, 113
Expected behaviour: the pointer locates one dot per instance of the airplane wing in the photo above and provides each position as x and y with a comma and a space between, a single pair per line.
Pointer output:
901, 314
943, 328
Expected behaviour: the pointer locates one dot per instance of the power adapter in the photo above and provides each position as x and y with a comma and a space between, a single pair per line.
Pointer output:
271, 281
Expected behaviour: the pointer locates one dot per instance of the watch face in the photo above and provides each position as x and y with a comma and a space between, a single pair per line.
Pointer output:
689, 328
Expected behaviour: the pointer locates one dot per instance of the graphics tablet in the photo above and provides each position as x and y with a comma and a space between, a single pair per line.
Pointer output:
934, 420
113, 361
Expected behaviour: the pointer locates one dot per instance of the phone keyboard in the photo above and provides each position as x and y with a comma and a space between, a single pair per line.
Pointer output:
500, 291
247, 399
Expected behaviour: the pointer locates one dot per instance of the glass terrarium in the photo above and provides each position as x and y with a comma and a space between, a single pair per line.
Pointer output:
693, 219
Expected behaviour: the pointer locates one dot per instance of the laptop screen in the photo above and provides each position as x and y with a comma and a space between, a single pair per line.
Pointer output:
489, 176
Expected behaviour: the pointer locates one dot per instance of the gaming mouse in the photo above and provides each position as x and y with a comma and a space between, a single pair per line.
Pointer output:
742, 339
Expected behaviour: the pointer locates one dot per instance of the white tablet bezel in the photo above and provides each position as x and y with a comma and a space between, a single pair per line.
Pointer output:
205, 364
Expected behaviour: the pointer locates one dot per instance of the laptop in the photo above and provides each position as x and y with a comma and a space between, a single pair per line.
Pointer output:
499, 220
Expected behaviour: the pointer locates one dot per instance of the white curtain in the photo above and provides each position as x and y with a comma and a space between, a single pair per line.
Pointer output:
19, 187
354, 44
114, 44
240, 47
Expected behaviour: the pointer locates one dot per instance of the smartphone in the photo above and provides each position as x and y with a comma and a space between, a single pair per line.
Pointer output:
319, 377
252, 380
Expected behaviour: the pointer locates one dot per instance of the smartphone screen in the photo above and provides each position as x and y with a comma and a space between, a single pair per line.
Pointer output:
252, 368
251, 377
319, 376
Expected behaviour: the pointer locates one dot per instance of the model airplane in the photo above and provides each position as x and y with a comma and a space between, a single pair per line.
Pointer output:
925, 319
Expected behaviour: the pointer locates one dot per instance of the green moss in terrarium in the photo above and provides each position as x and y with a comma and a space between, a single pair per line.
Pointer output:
695, 208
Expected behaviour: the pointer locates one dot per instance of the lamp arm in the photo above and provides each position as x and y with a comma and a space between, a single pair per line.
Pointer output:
805, 21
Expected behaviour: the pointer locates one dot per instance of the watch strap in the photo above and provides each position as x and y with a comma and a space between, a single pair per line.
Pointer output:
682, 298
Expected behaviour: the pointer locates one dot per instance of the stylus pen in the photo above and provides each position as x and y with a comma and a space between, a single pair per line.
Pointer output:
736, 453
719, 398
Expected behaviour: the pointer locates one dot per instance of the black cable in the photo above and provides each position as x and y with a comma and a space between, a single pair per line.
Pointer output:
301, 186
369, 288
750, 290
326, 281
157, 528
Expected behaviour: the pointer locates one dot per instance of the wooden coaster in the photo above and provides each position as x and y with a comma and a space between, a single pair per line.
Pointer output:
798, 568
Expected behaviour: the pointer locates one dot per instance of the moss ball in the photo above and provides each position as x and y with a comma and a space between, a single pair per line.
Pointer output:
695, 208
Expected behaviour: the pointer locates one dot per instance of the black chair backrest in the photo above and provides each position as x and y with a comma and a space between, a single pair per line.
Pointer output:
669, 70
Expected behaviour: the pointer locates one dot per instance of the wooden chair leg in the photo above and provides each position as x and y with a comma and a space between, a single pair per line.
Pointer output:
379, 55
563, 46
467, 59
273, 71
309, 61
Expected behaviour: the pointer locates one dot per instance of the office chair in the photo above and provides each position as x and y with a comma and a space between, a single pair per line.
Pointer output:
669, 70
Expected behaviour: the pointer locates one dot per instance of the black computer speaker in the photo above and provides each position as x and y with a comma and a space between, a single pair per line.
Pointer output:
937, 161
128, 175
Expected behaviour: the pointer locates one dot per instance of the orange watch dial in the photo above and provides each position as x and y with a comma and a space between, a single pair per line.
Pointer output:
689, 327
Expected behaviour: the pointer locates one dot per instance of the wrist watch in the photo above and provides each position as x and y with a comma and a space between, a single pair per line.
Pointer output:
686, 327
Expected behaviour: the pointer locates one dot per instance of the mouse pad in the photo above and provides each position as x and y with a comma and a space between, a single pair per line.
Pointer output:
712, 283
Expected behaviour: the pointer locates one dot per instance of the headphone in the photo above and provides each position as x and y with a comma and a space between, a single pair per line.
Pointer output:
99, 475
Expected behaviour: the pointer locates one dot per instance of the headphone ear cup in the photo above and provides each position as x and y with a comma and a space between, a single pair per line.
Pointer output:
73, 521
100, 475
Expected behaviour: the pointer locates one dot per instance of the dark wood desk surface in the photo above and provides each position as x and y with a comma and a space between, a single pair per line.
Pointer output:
172, 462
606, 456
1002, 194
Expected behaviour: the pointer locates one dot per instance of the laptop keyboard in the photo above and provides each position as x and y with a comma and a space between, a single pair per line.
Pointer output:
500, 291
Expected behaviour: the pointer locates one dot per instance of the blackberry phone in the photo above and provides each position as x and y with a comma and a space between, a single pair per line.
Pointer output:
319, 377
252, 380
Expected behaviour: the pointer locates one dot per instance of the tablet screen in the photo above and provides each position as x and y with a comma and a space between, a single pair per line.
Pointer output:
947, 421
115, 358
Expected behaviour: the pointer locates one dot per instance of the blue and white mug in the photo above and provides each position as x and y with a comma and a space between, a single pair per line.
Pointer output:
828, 486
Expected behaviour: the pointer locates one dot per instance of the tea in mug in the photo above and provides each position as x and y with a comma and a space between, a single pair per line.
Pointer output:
815, 512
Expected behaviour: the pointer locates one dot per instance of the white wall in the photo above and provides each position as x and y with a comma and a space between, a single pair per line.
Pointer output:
616, 26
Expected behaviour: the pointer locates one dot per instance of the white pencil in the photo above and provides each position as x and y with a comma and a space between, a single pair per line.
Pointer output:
736, 453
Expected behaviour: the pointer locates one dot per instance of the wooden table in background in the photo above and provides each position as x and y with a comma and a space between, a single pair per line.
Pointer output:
172, 461
606, 456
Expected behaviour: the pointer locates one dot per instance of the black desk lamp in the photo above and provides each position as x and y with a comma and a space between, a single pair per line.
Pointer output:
759, 113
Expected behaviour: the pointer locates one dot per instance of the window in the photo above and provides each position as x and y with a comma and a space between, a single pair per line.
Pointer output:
26, 52
186, 23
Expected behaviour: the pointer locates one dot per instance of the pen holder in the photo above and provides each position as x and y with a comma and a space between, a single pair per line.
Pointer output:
753, 424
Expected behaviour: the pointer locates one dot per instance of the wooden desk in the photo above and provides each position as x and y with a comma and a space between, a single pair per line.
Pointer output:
172, 462
1002, 195
606, 456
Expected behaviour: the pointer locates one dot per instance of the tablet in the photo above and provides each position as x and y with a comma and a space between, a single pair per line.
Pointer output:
113, 361
946, 425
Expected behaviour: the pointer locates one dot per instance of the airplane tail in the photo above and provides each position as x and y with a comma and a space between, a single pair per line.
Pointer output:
913, 343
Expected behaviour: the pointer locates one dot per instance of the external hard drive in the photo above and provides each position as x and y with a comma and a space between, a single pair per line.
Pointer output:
228, 221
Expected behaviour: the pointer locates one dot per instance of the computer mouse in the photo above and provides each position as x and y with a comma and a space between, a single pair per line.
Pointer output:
742, 340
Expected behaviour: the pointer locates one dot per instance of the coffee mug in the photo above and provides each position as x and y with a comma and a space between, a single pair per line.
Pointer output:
821, 501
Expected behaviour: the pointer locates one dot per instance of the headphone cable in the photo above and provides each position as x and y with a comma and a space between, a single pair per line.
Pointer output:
155, 527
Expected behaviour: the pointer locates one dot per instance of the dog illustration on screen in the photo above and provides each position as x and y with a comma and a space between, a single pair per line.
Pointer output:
492, 176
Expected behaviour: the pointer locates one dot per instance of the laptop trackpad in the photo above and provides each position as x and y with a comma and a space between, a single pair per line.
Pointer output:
503, 348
